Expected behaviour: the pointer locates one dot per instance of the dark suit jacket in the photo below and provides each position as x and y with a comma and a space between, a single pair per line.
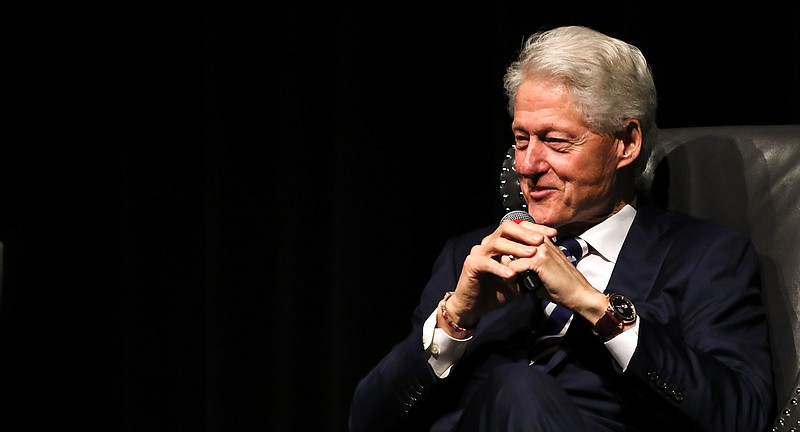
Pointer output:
702, 361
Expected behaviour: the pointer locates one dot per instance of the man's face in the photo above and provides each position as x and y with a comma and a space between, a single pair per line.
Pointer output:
567, 172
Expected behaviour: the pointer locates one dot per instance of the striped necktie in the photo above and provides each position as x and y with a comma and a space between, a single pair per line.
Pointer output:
558, 317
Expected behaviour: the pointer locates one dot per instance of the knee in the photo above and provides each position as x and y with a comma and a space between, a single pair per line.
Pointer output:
520, 398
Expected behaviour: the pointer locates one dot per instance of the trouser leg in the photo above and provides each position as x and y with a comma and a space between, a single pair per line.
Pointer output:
518, 397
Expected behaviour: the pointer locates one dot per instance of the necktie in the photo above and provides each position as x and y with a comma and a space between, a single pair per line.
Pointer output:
558, 317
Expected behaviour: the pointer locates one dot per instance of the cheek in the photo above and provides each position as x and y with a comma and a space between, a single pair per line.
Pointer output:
591, 180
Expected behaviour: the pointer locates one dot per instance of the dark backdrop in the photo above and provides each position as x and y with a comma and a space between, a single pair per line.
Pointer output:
218, 217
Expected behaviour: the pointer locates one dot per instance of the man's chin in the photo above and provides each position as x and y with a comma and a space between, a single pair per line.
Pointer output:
548, 217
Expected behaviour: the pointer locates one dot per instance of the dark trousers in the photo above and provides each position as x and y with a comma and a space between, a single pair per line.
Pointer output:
518, 397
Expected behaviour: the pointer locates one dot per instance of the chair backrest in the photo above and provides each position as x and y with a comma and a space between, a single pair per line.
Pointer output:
746, 177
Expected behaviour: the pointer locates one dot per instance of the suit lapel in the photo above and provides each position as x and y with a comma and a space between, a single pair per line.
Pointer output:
642, 255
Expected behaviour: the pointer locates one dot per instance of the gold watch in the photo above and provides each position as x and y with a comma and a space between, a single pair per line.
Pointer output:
620, 311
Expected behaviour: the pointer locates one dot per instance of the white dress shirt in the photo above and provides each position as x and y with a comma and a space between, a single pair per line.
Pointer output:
605, 240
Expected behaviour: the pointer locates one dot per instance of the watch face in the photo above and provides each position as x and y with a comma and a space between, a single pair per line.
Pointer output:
623, 308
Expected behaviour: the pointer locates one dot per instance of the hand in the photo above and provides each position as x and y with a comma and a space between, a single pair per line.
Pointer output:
562, 282
488, 280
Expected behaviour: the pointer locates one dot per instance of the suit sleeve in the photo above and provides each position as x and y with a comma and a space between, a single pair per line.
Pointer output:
703, 352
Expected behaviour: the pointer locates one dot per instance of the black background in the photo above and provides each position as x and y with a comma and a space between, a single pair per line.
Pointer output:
219, 216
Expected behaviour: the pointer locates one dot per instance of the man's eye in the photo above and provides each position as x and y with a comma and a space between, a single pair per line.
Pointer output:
559, 144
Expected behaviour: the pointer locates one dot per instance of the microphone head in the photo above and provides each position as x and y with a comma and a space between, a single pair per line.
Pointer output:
517, 216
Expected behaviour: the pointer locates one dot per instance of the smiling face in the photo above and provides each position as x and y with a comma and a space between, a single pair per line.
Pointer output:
569, 174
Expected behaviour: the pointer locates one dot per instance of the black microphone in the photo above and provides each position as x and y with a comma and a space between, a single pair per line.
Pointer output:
528, 280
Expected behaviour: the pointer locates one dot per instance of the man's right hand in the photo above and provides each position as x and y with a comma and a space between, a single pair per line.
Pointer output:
487, 282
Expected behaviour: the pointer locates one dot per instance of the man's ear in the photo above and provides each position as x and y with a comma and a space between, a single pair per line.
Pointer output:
629, 143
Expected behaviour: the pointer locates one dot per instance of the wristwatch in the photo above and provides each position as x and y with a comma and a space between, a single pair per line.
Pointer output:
620, 312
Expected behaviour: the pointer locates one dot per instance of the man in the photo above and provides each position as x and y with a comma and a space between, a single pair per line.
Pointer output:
663, 326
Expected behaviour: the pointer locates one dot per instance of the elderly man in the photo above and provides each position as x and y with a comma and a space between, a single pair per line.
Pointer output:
628, 317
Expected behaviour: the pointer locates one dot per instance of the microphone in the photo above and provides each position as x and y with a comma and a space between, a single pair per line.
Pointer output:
528, 280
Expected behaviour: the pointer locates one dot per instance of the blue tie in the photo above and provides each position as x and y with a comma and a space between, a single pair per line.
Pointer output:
558, 317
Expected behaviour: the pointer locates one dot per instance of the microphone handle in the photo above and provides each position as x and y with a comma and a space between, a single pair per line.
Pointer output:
529, 281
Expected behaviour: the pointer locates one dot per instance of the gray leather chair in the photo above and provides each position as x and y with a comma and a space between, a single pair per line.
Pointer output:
746, 177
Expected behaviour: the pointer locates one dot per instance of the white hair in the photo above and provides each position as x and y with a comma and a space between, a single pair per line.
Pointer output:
609, 79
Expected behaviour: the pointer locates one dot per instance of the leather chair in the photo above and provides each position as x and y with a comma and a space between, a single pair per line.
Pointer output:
748, 178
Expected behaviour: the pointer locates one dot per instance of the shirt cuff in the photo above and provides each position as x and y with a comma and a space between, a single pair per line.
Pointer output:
623, 346
443, 350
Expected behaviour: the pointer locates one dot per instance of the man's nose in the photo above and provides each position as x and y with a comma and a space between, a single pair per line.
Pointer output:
531, 161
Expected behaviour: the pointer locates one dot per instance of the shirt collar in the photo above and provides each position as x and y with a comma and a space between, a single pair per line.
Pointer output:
607, 237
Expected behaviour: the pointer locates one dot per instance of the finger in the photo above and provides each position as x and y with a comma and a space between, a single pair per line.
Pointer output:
477, 265
523, 229
506, 259
559, 277
545, 257
504, 246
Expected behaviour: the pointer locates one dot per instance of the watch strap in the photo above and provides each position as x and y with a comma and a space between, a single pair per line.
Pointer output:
607, 326
610, 324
